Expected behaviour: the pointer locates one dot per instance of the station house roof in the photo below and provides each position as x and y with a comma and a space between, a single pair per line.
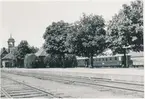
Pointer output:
9, 56
41, 52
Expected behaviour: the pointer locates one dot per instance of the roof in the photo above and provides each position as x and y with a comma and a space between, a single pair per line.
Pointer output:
102, 56
136, 54
9, 56
3, 51
117, 55
11, 39
41, 52
80, 58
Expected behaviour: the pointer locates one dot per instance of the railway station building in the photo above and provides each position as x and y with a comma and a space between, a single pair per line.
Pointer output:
6, 56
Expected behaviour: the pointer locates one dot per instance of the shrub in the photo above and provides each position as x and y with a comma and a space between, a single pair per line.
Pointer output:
31, 61
56, 61
52, 61
70, 61
41, 63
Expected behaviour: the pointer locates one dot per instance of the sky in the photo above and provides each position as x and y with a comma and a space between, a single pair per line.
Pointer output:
27, 20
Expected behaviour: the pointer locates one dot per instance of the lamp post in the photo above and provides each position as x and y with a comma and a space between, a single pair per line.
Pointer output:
125, 58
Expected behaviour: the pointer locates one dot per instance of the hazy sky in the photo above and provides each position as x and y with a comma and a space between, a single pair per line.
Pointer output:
28, 20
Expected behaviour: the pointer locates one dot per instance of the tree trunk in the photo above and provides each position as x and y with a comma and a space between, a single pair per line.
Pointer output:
92, 65
86, 63
63, 60
124, 60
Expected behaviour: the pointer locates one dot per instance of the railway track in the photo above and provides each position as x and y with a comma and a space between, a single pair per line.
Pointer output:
139, 88
11, 88
97, 82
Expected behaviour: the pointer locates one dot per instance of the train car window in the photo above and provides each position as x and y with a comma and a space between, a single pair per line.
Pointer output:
110, 58
102, 59
115, 58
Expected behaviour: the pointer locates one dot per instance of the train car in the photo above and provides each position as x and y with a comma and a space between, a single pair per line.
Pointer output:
106, 61
112, 61
83, 61
138, 59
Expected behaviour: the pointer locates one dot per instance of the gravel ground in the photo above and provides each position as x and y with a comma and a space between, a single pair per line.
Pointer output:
78, 91
135, 75
120, 71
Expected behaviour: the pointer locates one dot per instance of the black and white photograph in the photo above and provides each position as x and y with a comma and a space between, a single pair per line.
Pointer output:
71, 49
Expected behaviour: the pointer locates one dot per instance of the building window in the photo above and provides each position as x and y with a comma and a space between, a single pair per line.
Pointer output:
106, 59
110, 58
115, 58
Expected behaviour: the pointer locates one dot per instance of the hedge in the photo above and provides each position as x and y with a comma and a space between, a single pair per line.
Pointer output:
52, 61
70, 61
56, 60
31, 61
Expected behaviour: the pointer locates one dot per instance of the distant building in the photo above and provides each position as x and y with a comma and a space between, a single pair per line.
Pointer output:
7, 58
41, 53
3, 53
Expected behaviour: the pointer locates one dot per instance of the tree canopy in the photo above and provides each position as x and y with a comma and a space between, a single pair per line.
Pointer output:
21, 50
89, 38
126, 28
55, 38
34, 49
31, 61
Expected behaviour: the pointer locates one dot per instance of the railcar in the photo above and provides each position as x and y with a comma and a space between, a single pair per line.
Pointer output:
83, 61
106, 61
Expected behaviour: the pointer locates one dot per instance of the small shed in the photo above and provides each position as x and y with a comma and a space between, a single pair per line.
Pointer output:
41, 54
